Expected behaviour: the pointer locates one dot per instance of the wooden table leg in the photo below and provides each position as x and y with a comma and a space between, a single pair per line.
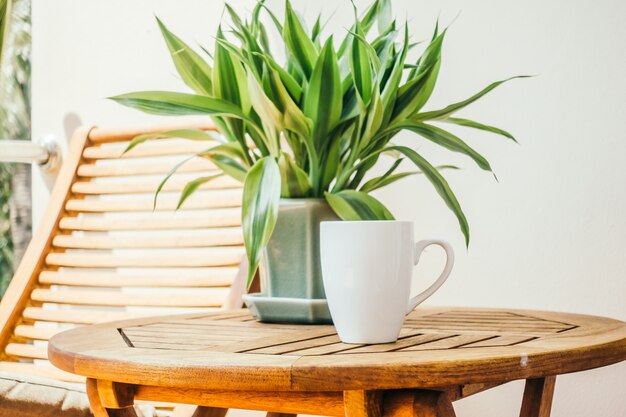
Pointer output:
209, 412
538, 394
111, 399
363, 403
417, 403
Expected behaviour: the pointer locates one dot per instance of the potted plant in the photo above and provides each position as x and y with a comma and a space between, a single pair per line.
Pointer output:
302, 134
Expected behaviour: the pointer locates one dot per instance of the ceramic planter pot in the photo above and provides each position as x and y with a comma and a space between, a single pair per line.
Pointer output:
292, 288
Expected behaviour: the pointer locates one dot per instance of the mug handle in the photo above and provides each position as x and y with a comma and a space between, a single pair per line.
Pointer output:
419, 248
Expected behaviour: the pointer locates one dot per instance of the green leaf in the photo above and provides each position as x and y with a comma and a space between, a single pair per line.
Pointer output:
369, 49
440, 184
390, 90
228, 166
274, 19
192, 186
167, 178
193, 70
361, 68
331, 165
261, 196
191, 134
385, 15
297, 41
264, 107
294, 88
380, 182
452, 108
323, 99
480, 126
293, 117
229, 76
375, 114
446, 139
178, 104
367, 187
317, 29
234, 16
356, 205
294, 181
226, 157
385, 180
371, 16
417, 90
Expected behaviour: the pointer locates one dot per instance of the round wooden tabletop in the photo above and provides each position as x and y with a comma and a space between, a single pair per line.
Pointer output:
438, 347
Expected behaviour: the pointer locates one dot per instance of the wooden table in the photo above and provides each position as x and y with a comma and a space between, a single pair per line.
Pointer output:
228, 360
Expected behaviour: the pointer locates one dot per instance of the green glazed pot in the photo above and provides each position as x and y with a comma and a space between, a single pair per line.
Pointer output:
292, 289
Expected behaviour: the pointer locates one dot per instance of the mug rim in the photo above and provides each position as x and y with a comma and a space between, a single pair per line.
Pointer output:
361, 222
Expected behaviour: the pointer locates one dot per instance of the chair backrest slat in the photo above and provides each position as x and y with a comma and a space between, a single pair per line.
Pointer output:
106, 251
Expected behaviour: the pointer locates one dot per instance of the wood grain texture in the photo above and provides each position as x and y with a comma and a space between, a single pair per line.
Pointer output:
166, 147
192, 277
363, 403
101, 398
209, 412
17, 295
204, 238
115, 395
234, 350
84, 264
149, 186
207, 257
100, 170
108, 135
280, 402
178, 221
537, 400
202, 200
432, 404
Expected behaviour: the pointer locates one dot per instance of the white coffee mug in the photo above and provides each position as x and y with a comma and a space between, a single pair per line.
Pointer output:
367, 268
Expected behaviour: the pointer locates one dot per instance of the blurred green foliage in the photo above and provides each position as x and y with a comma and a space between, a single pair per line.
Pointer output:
14, 112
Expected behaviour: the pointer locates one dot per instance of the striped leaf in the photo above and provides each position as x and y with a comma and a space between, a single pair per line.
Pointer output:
228, 165
191, 134
193, 70
261, 196
417, 90
479, 126
229, 158
262, 104
229, 76
167, 178
453, 108
447, 140
385, 180
385, 15
440, 184
356, 205
300, 47
380, 182
361, 68
293, 117
372, 184
192, 186
294, 181
178, 104
322, 100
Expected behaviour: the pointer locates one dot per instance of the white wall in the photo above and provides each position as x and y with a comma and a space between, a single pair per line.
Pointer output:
550, 235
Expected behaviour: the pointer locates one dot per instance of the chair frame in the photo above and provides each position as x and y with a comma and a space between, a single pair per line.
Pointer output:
25, 280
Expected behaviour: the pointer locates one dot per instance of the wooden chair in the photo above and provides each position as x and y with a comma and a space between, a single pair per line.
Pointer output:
102, 253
